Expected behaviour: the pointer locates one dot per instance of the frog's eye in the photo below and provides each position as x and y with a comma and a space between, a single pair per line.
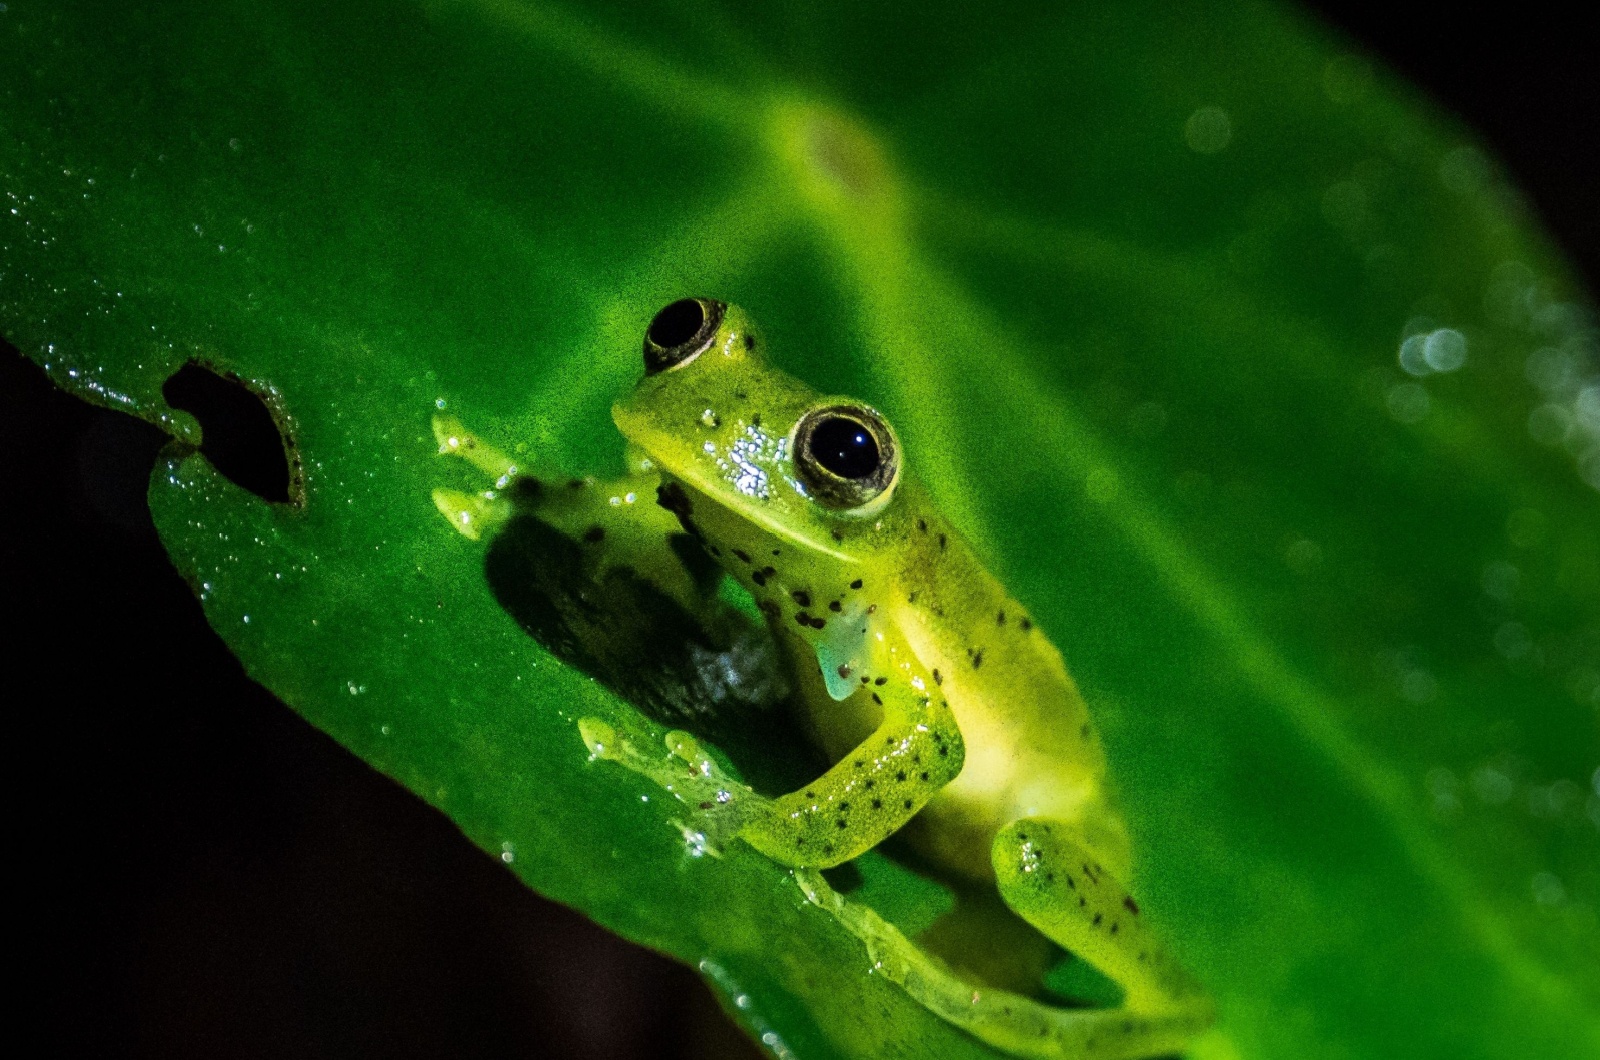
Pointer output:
846, 454
681, 332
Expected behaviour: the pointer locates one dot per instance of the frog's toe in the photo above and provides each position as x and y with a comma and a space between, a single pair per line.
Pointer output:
721, 806
698, 841
469, 513
451, 434
454, 439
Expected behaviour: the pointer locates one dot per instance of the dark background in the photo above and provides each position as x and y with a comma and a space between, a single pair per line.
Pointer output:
203, 875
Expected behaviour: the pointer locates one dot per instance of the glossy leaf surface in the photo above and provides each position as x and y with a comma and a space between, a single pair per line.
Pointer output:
1244, 368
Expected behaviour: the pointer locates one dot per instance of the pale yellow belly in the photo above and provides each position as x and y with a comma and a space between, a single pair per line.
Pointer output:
1003, 779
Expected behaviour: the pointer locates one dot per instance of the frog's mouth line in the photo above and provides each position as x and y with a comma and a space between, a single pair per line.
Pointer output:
704, 488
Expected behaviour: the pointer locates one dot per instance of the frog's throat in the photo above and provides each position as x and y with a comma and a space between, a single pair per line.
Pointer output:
840, 653
711, 491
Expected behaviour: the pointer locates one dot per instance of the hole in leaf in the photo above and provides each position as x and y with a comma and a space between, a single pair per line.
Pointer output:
240, 435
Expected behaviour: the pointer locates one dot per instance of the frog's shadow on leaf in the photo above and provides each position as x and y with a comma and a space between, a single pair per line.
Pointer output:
716, 675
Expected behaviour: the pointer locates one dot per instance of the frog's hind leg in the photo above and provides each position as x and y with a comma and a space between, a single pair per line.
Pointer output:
1011, 1022
1051, 878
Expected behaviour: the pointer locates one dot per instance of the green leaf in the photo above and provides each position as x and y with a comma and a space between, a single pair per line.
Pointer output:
1141, 290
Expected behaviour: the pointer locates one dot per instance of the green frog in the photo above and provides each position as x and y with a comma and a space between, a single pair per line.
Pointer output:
949, 716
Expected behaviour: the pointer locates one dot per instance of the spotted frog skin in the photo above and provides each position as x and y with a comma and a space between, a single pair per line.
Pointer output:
947, 713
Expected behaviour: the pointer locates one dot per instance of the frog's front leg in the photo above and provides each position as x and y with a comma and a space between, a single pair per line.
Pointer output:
617, 522
1051, 878
721, 805
865, 798
874, 790
476, 513
573, 505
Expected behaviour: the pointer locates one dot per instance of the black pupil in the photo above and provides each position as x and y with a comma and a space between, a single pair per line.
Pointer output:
845, 447
677, 323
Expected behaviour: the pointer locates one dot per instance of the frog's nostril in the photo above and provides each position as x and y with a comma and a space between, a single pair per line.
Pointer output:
681, 332
677, 323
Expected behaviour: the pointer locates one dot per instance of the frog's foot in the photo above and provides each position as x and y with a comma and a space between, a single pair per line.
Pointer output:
720, 806
455, 440
617, 523
473, 514
1050, 877
1007, 1021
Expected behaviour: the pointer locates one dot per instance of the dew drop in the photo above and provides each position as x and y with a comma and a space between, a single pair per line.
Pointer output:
1445, 350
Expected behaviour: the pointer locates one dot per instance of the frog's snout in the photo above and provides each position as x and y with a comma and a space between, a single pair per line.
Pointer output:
680, 332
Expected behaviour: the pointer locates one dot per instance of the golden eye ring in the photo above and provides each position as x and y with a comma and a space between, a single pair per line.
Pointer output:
847, 455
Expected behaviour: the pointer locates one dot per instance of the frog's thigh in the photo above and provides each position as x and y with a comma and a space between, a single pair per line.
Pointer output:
1010, 1022
1052, 880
